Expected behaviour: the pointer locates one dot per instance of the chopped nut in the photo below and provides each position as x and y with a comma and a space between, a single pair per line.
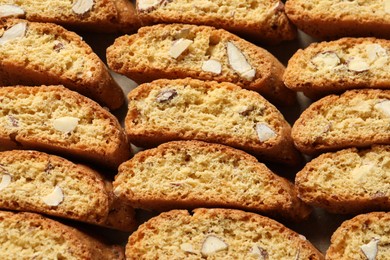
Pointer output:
187, 247
370, 250
16, 31
245, 110
387, 6
148, 5
212, 244
166, 95
264, 132
179, 46
260, 252
183, 33
239, 63
5, 181
357, 65
383, 107
66, 124
58, 46
328, 60
374, 51
360, 173
54, 198
213, 66
11, 10
82, 6
49, 167
13, 120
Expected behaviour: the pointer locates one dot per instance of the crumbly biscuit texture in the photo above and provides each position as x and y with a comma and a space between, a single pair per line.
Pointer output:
217, 234
347, 181
55, 119
363, 237
43, 53
31, 236
333, 67
167, 110
105, 16
48, 184
262, 20
191, 174
201, 52
356, 118
331, 19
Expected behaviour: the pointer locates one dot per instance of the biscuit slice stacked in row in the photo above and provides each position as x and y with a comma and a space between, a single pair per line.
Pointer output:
31, 236
58, 120
186, 109
43, 53
47, 184
217, 234
260, 20
190, 174
107, 16
179, 51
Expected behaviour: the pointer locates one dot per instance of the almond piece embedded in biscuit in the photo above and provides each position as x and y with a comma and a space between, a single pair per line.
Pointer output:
178, 47
239, 63
54, 198
326, 60
264, 132
5, 181
386, 6
66, 124
15, 32
11, 10
166, 95
358, 65
383, 107
370, 250
212, 66
148, 5
82, 6
187, 247
212, 244
259, 252
374, 51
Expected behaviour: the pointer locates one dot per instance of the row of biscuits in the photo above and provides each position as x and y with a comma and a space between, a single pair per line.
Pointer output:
267, 131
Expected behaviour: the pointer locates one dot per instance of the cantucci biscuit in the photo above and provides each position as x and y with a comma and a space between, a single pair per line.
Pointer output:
192, 174
333, 67
47, 184
262, 20
348, 181
356, 118
363, 237
201, 52
55, 119
44, 53
335, 19
31, 236
217, 234
185, 109
106, 16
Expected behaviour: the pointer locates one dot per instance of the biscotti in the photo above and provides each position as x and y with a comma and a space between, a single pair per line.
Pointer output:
184, 109
193, 174
334, 19
333, 67
180, 50
261, 20
347, 181
356, 118
47, 54
31, 236
58, 120
105, 16
48, 184
363, 237
217, 234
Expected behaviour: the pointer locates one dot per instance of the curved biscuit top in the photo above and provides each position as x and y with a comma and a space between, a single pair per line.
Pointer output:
201, 52
184, 109
332, 67
356, 118
263, 20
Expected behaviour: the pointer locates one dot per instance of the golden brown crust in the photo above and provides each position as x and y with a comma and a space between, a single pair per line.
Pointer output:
112, 151
81, 245
349, 120
168, 231
123, 57
31, 69
347, 181
278, 199
147, 134
330, 20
